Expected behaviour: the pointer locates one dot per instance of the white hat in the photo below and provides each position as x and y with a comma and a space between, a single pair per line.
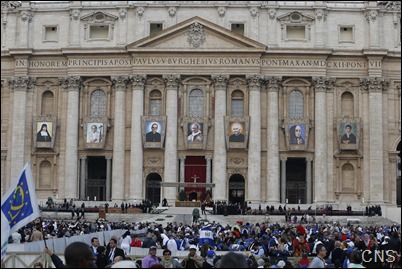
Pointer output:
281, 264
386, 237
193, 247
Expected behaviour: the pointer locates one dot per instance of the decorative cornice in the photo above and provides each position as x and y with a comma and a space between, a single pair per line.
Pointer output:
322, 84
390, 5
196, 35
10, 4
21, 83
273, 83
120, 82
220, 81
254, 82
71, 83
26, 15
172, 81
375, 84
138, 82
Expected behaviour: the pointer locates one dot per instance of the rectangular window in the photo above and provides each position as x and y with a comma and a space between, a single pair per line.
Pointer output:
155, 107
238, 28
99, 32
50, 34
346, 34
237, 107
296, 32
155, 28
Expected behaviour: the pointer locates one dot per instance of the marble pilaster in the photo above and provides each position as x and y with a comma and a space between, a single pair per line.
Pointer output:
254, 143
308, 179
119, 132
136, 154
273, 174
19, 87
283, 179
372, 19
208, 177
26, 18
83, 166
75, 23
72, 85
170, 174
108, 176
182, 160
219, 158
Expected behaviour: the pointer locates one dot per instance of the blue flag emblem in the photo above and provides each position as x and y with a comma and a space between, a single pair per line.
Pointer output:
18, 205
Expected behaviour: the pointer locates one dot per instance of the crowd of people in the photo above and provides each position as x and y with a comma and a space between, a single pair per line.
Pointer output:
263, 245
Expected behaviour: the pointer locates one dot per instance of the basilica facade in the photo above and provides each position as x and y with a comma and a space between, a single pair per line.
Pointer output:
260, 101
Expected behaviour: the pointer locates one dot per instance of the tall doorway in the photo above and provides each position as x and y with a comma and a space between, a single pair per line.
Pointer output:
153, 192
195, 171
96, 181
236, 189
296, 185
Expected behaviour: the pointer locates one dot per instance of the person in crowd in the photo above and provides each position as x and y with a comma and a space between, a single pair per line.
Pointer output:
167, 260
192, 260
151, 259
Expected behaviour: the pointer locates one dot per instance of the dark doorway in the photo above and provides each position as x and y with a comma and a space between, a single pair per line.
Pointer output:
192, 196
296, 180
154, 188
96, 181
398, 176
236, 189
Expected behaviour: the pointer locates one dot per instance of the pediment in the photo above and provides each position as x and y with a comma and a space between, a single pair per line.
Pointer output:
196, 34
295, 17
98, 17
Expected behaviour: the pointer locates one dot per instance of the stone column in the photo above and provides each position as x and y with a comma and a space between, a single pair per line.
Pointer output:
182, 160
254, 143
283, 180
375, 87
320, 155
119, 133
136, 156
208, 179
170, 175
4, 185
273, 175
108, 176
83, 160
219, 161
73, 85
19, 87
308, 179
26, 18
372, 19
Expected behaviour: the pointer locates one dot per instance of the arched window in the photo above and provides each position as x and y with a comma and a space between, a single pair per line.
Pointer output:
155, 103
196, 103
47, 103
98, 104
347, 104
45, 174
237, 106
295, 104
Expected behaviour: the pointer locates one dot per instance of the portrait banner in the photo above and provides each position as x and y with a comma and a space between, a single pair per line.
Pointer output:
195, 132
44, 132
349, 133
236, 130
297, 131
95, 131
153, 131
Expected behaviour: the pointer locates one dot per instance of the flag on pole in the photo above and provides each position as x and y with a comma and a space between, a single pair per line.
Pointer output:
18, 206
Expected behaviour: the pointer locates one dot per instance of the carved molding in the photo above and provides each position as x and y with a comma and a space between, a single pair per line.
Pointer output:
10, 4
376, 84
272, 13
220, 81
254, 82
26, 15
221, 11
138, 82
153, 160
322, 84
172, 81
273, 83
371, 15
120, 82
122, 13
99, 17
71, 83
140, 12
172, 12
196, 35
21, 83
390, 5
254, 11
75, 14
321, 15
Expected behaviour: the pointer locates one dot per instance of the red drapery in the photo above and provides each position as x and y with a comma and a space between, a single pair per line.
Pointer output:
195, 169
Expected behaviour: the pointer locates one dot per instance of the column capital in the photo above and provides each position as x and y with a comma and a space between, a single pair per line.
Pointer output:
172, 81
83, 157
375, 84
220, 82
182, 158
322, 84
273, 83
3, 157
208, 158
108, 157
138, 82
283, 159
21, 83
75, 14
71, 83
309, 159
26, 15
371, 15
254, 82
120, 82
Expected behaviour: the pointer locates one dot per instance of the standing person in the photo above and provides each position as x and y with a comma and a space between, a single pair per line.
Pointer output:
296, 135
203, 206
43, 134
196, 215
126, 242
318, 261
348, 137
167, 260
196, 134
150, 259
94, 135
153, 135
237, 136
192, 260
114, 251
